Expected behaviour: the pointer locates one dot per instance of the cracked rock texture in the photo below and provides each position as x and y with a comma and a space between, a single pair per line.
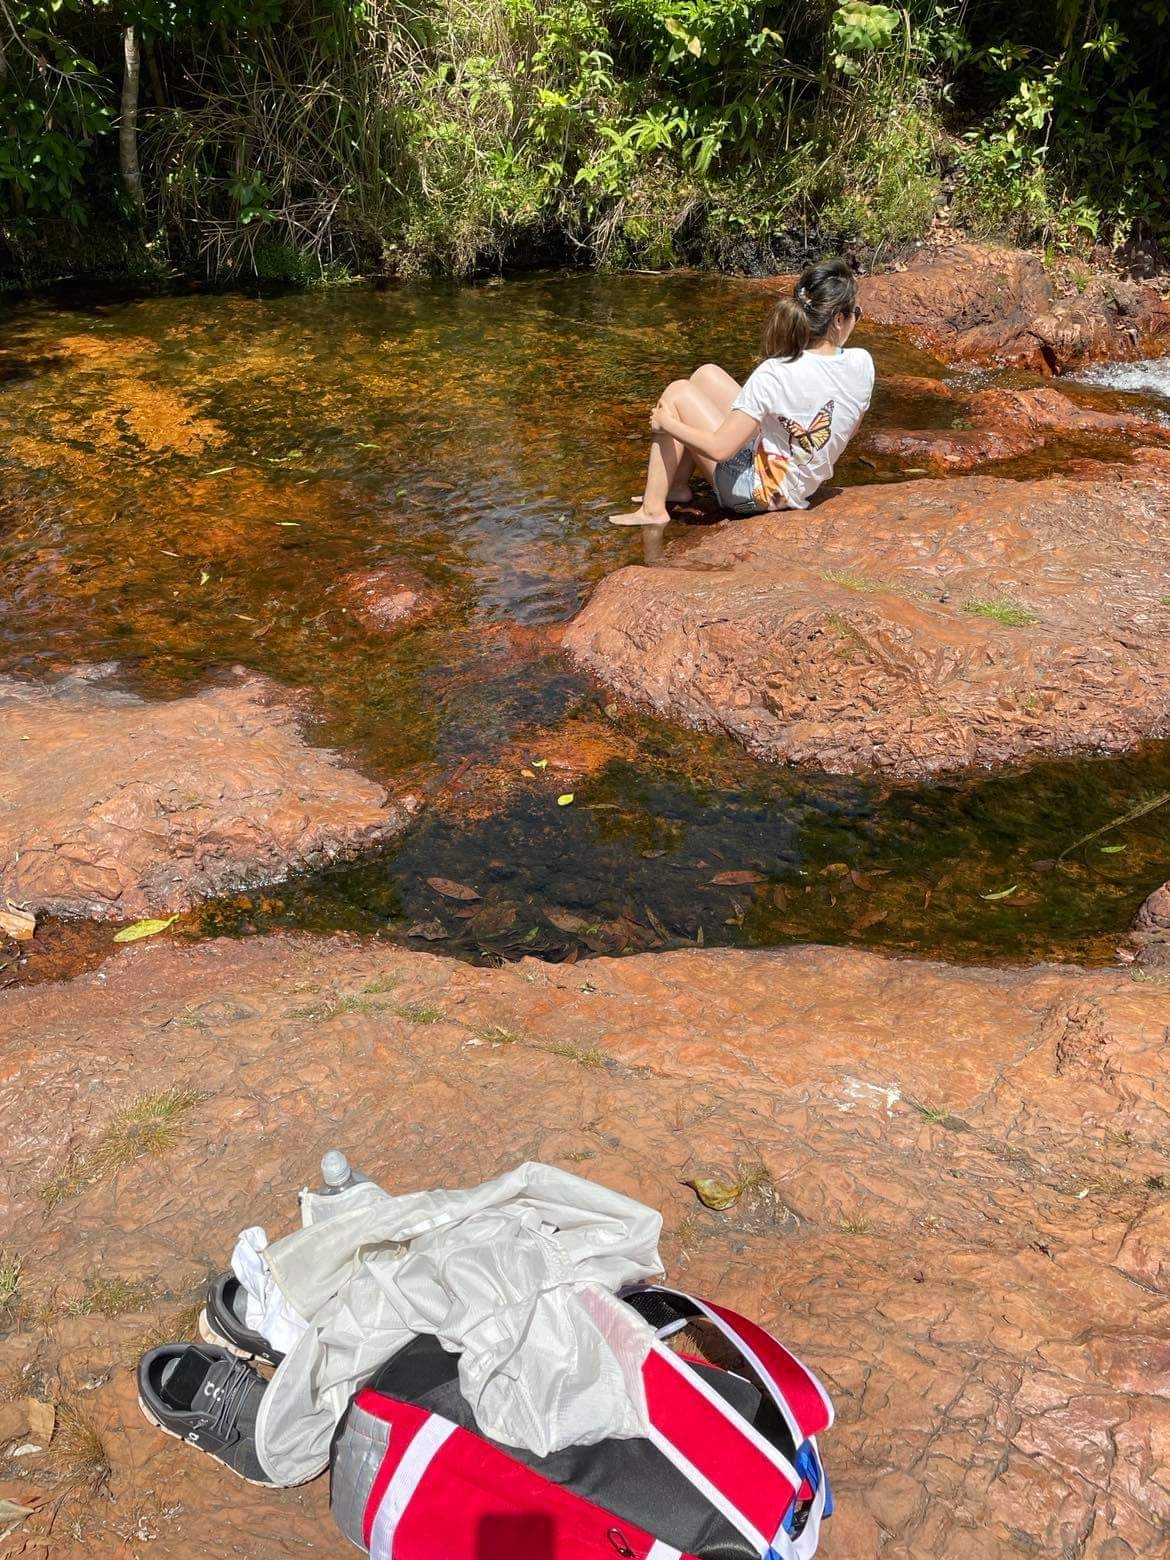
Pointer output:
115, 807
975, 302
962, 1223
910, 628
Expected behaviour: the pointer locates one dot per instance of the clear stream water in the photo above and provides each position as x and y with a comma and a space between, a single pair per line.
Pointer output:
184, 477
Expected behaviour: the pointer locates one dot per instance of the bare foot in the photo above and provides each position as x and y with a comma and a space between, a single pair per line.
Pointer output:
640, 517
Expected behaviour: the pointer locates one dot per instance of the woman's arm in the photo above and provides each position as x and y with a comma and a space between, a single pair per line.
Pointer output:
719, 444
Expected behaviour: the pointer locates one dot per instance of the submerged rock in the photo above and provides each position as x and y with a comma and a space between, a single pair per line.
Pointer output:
952, 1198
910, 628
115, 807
1150, 933
1002, 425
972, 301
385, 597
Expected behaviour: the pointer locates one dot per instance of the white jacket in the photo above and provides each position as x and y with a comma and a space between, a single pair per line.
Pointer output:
517, 1276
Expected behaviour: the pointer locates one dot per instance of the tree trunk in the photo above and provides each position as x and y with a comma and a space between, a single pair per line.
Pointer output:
128, 121
158, 91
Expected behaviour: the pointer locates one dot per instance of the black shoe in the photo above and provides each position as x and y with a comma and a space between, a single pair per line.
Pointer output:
205, 1396
222, 1322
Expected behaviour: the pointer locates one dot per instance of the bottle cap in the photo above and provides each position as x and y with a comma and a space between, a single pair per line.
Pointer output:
335, 1168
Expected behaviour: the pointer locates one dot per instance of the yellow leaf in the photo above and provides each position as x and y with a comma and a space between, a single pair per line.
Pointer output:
540, 763
204, 577
143, 929
563, 801
715, 1194
529, 774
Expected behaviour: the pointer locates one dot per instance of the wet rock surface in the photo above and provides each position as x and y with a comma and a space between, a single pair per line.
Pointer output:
116, 807
385, 597
1003, 424
956, 1207
910, 628
983, 304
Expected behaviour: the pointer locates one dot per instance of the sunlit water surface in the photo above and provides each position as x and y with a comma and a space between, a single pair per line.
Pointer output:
186, 478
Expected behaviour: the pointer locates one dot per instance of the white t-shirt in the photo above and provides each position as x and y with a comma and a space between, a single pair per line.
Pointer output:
808, 410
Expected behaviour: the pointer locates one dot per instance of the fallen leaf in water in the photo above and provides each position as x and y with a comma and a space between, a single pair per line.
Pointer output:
17, 924
657, 924
493, 919
566, 920
858, 881
699, 938
1112, 850
432, 931
1002, 893
143, 929
204, 577
465, 914
220, 471
715, 1194
734, 879
529, 774
450, 890
652, 855
563, 801
540, 763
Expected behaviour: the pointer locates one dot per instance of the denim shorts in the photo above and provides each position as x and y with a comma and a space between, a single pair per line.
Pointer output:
735, 482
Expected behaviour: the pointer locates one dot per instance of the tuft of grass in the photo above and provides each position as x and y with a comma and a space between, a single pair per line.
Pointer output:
856, 1226
78, 1450
149, 1125
420, 1013
381, 984
496, 1034
11, 1268
851, 581
330, 1007
584, 1056
109, 1297
1001, 609
164, 1329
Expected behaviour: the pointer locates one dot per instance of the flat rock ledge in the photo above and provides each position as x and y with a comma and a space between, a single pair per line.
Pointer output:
909, 628
959, 1209
114, 807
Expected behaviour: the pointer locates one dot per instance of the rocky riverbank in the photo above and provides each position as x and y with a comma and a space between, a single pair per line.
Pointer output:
952, 1202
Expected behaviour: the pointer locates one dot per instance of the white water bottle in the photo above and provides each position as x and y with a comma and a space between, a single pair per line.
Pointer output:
337, 1175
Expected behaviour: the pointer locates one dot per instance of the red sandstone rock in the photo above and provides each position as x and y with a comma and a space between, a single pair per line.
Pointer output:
119, 808
974, 302
857, 635
963, 1227
1004, 424
383, 598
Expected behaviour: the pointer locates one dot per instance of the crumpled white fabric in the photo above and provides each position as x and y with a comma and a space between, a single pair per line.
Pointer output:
266, 1311
518, 1276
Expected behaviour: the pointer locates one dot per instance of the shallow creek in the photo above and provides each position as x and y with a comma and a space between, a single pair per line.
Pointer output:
184, 477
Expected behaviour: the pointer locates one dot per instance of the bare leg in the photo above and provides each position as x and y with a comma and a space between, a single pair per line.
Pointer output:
721, 390
667, 455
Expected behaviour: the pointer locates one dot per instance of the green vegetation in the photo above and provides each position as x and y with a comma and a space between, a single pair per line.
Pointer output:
1001, 610
305, 139
147, 1126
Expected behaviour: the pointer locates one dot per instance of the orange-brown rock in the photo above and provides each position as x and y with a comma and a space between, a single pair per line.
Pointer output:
910, 628
971, 301
1004, 424
116, 807
384, 597
958, 1211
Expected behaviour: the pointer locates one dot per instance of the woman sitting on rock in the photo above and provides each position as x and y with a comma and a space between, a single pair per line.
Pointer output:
772, 443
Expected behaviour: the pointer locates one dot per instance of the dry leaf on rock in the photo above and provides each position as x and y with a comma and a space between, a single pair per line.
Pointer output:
17, 924
715, 1194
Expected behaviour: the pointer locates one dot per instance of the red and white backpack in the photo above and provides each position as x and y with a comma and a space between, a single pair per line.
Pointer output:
729, 1471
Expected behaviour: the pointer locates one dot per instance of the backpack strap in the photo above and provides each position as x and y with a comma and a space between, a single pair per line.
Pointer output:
743, 1475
